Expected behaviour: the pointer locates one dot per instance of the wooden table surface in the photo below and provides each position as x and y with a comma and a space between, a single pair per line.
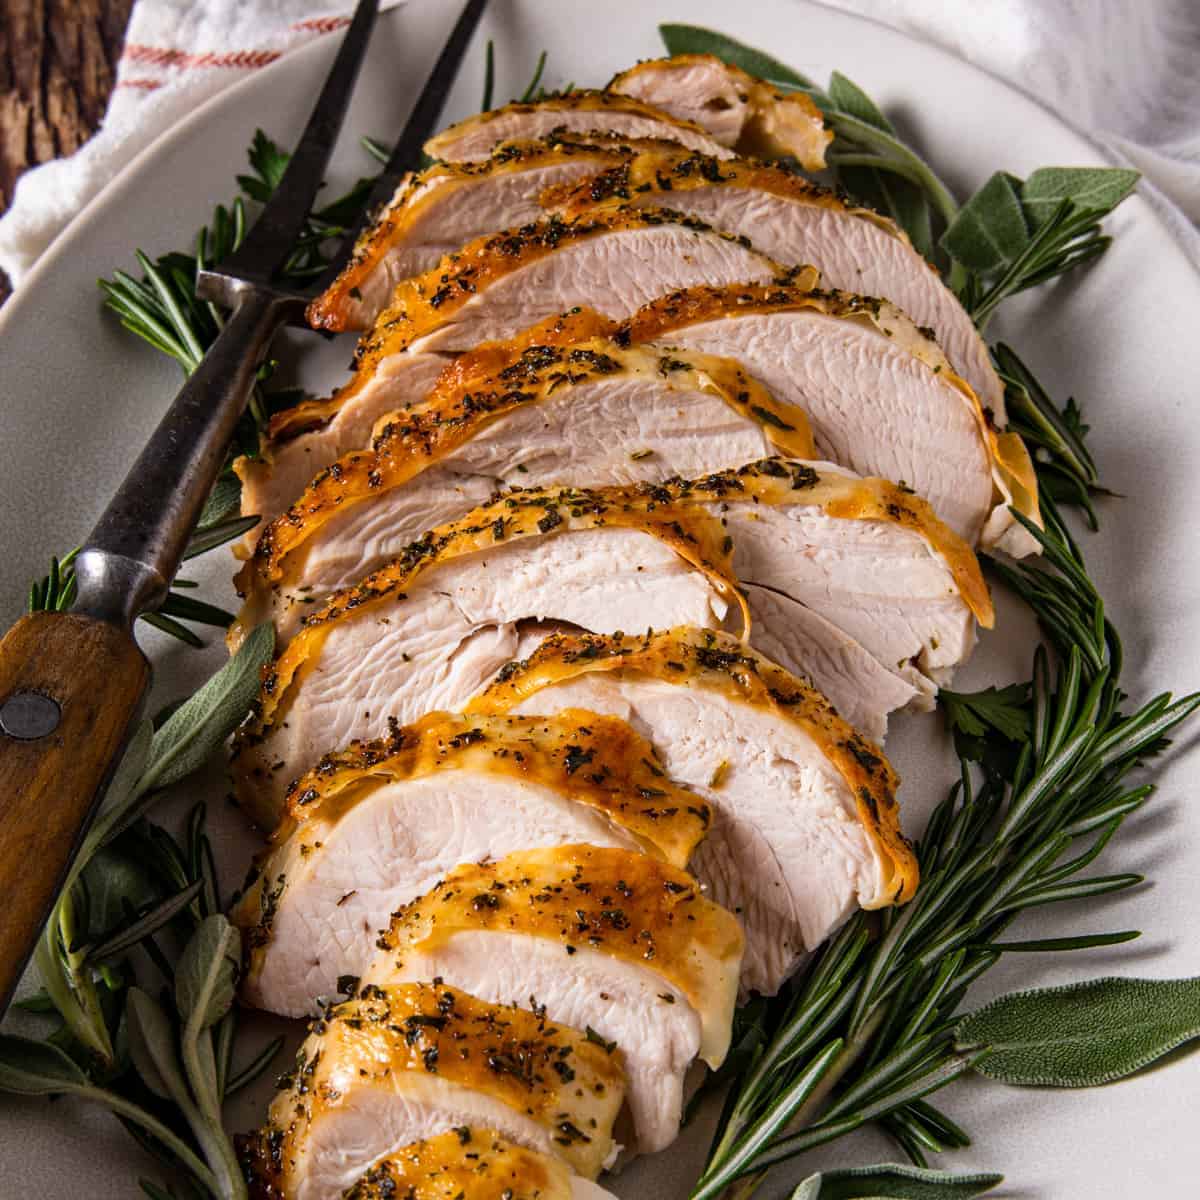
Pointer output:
57, 65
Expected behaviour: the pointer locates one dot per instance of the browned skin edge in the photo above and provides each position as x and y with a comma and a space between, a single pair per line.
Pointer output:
631, 907
411, 442
720, 661
425, 1028
463, 1164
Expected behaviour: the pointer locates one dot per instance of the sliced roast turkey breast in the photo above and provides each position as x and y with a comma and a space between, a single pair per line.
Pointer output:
805, 822
373, 827
613, 261
471, 1164
589, 412
447, 205
735, 107
305, 439
881, 397
302, 441
426, 631
402, 1064
867, 556
584, 111
650, 964
857, 684
794, 221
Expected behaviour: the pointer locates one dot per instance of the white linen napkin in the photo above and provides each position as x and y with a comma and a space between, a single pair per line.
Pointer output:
177, 54
1125, 71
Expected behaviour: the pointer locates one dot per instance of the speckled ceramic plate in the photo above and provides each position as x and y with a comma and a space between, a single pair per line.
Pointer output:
78, 395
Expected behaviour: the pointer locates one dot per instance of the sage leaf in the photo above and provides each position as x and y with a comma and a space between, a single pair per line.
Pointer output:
894, 1180
152, 1045
195, 730
1084, 1034
1095, 190
849, 98
223, 502
131, 767
990, 230
32, 1068
692, 39
206, 976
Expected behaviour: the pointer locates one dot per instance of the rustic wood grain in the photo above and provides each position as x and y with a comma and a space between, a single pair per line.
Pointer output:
57, 65
98, 676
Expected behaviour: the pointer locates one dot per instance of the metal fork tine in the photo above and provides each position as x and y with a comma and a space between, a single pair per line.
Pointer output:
267, 245
420, 126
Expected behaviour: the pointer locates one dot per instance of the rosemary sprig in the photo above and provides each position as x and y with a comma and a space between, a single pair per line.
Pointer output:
1066, 469
869, 1034
57, 590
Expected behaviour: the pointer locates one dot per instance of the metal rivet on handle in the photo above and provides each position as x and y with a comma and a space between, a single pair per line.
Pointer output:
28, 716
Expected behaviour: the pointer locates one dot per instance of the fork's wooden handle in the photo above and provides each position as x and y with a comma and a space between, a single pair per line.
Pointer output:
69, 687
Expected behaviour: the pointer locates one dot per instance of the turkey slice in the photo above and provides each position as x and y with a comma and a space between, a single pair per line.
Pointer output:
373, 827
428, 630
598, 938
738, 109
471, 1164
402, 1064
589, 412
805, 822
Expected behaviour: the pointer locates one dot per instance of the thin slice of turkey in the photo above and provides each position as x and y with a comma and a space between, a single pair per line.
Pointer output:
805, 824
875, 581
857, 684
651, 965
795, 221
427, 631
738, 109
583, 111
398, 1065
304, 440
372, 828
471, 1164
447, 205
313, 435
613, 261
589, 412
881, 397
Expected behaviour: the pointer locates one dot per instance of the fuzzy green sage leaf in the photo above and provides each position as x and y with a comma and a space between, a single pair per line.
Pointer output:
207, 973
1084, 1034
152, 1045
199, 726
32, 1068
1089, 189
991, 228
888, 1180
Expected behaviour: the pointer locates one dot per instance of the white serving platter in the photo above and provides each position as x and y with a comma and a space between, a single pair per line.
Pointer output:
78, 395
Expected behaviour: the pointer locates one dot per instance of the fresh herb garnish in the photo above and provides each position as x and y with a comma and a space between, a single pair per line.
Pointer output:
871, 1031
162, 1065
1010, 236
